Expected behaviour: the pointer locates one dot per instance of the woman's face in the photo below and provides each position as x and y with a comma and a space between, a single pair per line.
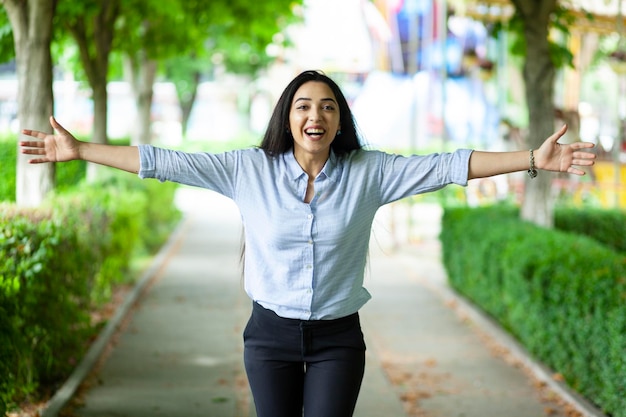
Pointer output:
313, 120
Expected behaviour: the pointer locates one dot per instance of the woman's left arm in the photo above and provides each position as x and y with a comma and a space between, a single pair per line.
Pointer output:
551, 156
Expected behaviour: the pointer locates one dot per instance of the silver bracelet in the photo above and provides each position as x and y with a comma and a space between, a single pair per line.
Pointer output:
532, 172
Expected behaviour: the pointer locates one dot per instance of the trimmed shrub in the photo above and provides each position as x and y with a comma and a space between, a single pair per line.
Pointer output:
60, 262
606, 226
44, 297
562, 295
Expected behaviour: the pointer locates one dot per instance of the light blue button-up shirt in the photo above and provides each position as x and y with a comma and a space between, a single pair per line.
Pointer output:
307, 260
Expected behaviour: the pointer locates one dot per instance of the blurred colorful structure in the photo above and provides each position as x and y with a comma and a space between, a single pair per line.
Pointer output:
421, 75
596, 40
471, 89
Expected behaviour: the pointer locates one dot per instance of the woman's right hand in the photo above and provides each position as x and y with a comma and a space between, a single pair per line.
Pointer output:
51, 148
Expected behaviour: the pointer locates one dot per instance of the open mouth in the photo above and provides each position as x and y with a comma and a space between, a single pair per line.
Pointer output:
314, 132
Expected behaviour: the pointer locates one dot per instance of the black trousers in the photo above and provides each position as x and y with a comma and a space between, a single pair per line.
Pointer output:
311, 367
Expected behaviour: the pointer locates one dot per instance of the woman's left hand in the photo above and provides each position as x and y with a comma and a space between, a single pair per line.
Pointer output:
561, 157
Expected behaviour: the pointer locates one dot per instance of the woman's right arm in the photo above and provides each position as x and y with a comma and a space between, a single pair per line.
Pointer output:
65, 147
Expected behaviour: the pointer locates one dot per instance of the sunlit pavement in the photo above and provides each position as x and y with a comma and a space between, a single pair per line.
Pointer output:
180, 352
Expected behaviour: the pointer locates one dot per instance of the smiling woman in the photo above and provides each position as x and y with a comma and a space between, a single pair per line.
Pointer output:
314, 124
307, 198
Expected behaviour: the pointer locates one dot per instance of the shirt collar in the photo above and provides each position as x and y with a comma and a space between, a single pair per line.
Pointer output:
295, 171
331, 168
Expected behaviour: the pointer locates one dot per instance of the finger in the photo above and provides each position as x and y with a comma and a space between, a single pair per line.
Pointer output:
582, 145
34, 133
583, 162
38, 161
557, 135
576, 171
584, 155
32, 144
57, 126
33, 151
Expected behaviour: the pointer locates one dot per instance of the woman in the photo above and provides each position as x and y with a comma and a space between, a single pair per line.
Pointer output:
307, 198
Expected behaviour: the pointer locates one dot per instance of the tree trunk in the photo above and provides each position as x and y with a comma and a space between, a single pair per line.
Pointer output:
100, 111
32, 32
187, 100
141, 73
539, 76
95, 39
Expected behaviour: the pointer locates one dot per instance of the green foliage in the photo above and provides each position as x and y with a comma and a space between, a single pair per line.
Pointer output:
243, 45
59, 262
8, 158
561, 294
39, 274
605, 226
7, 44
561, 20
69, 174
515, 27
152, 27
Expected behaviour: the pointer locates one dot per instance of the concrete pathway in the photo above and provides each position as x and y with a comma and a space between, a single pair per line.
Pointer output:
179, 351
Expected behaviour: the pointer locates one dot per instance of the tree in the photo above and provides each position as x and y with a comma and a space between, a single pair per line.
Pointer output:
31, 22
151, 30
532, 22
539, 74
233, 32
186, 73
91, 24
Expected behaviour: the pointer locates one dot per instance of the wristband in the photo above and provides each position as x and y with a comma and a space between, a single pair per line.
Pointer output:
532, 172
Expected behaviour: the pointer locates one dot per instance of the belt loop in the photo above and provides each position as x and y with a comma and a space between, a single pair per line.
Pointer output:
304, 332
302, 340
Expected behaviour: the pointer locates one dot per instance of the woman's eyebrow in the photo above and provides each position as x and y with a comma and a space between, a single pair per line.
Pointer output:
309, 99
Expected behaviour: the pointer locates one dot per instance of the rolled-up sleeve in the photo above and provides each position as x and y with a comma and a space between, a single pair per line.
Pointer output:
146, 162
403, 176
216, 172
458, 166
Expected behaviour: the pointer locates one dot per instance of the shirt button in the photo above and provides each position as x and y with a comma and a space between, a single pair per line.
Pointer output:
309, 266
310, 242
310, 216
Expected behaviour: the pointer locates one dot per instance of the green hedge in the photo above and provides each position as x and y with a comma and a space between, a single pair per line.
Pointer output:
58, 263
606, 226
43, 299
562, 295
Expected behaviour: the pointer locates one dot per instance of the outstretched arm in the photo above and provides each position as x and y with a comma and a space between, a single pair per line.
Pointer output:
65, 147
551, 156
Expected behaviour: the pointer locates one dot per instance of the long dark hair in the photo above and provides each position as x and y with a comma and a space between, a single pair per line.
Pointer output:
278, 140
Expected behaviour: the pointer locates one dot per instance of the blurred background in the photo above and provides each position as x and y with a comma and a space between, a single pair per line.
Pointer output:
421, 75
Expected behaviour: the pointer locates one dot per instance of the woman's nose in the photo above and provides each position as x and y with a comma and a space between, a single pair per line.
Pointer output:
314, 115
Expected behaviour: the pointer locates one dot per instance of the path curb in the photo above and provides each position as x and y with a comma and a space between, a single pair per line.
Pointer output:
82, 370
465, 308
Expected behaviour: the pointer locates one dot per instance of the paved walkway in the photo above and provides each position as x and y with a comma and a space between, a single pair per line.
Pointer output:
179, 352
